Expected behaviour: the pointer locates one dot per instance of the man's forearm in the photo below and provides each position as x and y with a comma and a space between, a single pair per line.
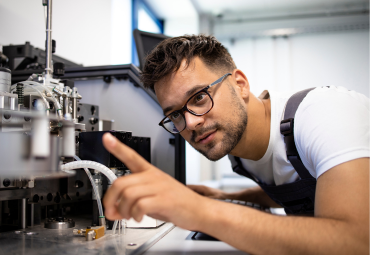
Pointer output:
261, 233
254, 195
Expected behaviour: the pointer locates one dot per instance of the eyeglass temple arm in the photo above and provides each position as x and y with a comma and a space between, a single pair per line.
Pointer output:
219, 80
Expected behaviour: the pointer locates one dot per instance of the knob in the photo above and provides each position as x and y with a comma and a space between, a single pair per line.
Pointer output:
6, 182
58, 69
94, 120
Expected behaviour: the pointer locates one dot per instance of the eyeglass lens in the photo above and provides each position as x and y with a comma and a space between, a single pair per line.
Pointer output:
199, 104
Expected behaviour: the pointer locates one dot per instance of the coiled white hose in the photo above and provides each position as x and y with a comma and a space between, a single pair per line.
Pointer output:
98, 167
93, 165
95, 188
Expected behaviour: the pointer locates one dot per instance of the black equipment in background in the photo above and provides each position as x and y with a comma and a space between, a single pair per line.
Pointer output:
145, 42
26, 56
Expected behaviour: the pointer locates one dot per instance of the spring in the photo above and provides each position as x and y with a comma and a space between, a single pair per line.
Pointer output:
20, 92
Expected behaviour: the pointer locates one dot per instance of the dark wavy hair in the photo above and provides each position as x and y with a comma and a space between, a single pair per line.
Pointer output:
166, 58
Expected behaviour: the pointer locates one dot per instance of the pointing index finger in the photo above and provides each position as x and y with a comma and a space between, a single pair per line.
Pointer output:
128, 156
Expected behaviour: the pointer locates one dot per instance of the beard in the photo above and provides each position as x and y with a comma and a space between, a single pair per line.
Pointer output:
233, 130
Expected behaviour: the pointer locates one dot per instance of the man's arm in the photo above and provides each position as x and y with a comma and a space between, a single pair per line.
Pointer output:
340, 225
254, 195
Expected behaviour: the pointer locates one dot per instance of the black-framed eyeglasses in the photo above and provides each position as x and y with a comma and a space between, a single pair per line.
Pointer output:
198, 104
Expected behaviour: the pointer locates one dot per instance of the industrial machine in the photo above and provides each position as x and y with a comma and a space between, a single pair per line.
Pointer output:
54, 169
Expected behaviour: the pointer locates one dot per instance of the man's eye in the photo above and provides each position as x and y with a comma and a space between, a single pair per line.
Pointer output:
174, 115
199, 97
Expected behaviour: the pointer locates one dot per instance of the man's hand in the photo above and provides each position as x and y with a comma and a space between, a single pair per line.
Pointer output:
208, 192
254, 195
149, 191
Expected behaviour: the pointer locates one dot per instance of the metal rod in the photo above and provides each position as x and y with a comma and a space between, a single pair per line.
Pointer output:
65, 105
74, 109
12, 103
23, 213
2, 103
48, 50
32, 205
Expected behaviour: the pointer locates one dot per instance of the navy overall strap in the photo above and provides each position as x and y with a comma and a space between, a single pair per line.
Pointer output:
287, 129
297, 198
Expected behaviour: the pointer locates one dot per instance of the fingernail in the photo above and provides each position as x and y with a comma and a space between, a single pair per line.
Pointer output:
110, 139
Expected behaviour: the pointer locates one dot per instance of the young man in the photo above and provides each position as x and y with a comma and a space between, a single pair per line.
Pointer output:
208, 101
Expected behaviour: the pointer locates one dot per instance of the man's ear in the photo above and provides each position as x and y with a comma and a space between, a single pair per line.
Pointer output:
242, 84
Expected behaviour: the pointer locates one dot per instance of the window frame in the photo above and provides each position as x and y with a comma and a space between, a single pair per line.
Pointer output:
136, 4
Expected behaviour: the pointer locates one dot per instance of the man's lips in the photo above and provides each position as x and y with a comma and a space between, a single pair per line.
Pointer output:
204, 136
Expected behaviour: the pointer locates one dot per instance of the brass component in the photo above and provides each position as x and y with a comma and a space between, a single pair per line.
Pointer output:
99, 231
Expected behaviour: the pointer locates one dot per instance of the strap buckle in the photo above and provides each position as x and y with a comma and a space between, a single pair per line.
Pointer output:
286, 126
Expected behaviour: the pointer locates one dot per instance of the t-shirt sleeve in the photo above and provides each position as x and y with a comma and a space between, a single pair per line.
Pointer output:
331, 127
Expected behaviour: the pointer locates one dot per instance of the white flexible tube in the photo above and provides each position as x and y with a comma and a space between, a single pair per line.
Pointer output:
95, 188
93, 165
98, 167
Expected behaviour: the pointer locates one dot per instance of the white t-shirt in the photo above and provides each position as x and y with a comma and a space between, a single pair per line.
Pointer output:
331, 126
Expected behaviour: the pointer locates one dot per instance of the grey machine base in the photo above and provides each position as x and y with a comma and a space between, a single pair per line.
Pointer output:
39, 240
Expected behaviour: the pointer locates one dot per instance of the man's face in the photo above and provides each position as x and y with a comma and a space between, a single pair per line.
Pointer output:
216, 133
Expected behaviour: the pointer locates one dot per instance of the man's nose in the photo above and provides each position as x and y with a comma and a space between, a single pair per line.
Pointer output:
193, 121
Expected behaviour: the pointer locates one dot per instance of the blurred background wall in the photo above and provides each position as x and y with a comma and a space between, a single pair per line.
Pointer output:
281, 45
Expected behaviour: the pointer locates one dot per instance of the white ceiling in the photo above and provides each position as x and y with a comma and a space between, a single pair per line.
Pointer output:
186, 8
167, 9
220, 6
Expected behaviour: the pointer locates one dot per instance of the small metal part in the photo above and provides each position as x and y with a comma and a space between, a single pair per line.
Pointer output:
23, 213
59, 223
90, 235
2, 103
102, 222
131, 244
5, 79
31, 184
20, 92
67, 91
12, 103
80, 232
32, 212
20, 232
6, 182
74, 97
31, 233
59, 92
98, 183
